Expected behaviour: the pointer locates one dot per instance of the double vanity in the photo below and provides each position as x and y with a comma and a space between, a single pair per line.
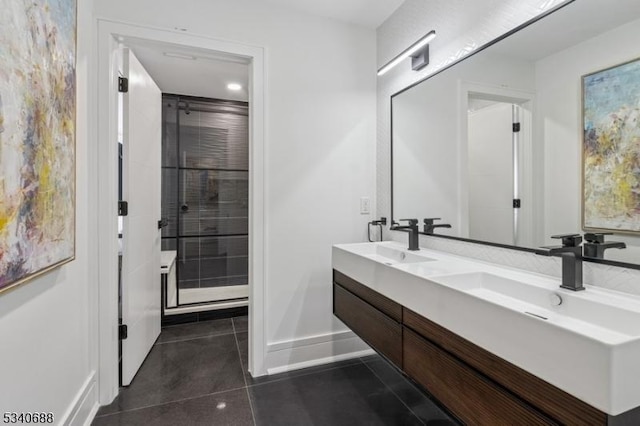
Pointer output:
494, 345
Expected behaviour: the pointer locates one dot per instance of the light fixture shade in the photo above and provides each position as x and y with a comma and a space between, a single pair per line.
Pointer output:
419, 50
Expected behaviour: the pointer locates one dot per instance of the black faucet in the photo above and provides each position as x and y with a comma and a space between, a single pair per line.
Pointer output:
429, 226
413, 233
571, 254
595, 244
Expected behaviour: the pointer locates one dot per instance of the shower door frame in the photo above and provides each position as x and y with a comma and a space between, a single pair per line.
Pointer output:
103, 128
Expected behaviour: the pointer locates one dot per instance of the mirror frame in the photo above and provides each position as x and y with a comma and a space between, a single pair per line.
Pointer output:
452, 64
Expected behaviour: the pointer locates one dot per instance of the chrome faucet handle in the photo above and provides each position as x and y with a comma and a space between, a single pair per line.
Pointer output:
431, 220
569, 240
412, 222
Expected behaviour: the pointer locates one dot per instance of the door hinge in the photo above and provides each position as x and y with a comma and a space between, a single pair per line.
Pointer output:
123, 331
516, 127
123, 208
123, 84
516, 203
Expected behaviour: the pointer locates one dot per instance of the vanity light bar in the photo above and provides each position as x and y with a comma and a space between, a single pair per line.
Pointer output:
415, 48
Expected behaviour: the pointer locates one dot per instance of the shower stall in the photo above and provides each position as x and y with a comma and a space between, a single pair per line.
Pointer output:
205, 200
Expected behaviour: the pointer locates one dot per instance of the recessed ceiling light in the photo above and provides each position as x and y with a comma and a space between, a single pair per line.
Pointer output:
179, 56
234, 86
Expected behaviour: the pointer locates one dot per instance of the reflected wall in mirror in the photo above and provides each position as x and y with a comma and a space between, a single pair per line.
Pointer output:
503, 128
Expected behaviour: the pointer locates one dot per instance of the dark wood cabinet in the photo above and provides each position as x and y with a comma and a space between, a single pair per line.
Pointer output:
375, 299
477, 386
373, 326
467, 394
535, 391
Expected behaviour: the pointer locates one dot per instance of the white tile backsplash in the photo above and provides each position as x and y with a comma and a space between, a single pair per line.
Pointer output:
606, 276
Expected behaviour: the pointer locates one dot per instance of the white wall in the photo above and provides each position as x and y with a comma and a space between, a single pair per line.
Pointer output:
48, 355
425, 156
320, 115
559, 92
429, 147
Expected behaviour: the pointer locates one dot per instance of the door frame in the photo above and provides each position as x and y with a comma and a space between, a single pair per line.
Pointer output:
110, 35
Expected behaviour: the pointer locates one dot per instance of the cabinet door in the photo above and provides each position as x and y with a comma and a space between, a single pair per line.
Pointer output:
467, 394
547, 398
378, 301
377, 329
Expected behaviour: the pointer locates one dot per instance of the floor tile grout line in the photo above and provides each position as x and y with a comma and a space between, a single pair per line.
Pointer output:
393, 392
415, 387
194, 338
191, 397
244, 377
170, 402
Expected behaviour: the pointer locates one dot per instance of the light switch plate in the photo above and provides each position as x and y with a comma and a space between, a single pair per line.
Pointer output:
365, 205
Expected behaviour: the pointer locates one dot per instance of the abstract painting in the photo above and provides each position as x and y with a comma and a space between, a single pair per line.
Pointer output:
611, 149
37, 137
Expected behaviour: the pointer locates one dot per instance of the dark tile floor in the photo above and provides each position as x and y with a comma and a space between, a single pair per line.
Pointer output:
196, 374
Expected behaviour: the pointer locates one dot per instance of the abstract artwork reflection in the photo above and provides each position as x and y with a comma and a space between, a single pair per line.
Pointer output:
611, 148
37, 137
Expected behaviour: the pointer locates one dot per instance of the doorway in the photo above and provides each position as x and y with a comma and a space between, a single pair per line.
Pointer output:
494, 164
110, 36
497, 164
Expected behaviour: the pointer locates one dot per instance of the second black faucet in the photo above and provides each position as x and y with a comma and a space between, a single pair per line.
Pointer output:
413, 233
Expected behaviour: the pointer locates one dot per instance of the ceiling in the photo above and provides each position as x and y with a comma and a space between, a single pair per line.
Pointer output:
578, 21
206, 74
367, 13
196, 72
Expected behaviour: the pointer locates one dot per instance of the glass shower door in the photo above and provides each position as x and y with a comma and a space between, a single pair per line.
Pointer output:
211, 180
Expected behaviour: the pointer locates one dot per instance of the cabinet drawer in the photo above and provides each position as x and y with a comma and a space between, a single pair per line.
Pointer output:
374, 327
384, 304
553, 401
468, 395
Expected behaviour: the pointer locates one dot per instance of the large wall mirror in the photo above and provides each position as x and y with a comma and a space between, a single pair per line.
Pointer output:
458, 155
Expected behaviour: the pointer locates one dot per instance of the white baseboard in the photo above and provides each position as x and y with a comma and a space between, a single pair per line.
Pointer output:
314, 350
85, 404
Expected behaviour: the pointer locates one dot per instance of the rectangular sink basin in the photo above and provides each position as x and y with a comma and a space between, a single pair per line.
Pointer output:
393, 256
586, 343
431, 268
604, 320
386, 253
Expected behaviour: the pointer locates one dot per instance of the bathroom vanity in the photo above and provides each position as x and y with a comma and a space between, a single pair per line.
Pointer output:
493, 344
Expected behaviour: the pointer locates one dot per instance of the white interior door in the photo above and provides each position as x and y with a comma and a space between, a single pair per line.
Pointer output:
491, 174
142, 119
